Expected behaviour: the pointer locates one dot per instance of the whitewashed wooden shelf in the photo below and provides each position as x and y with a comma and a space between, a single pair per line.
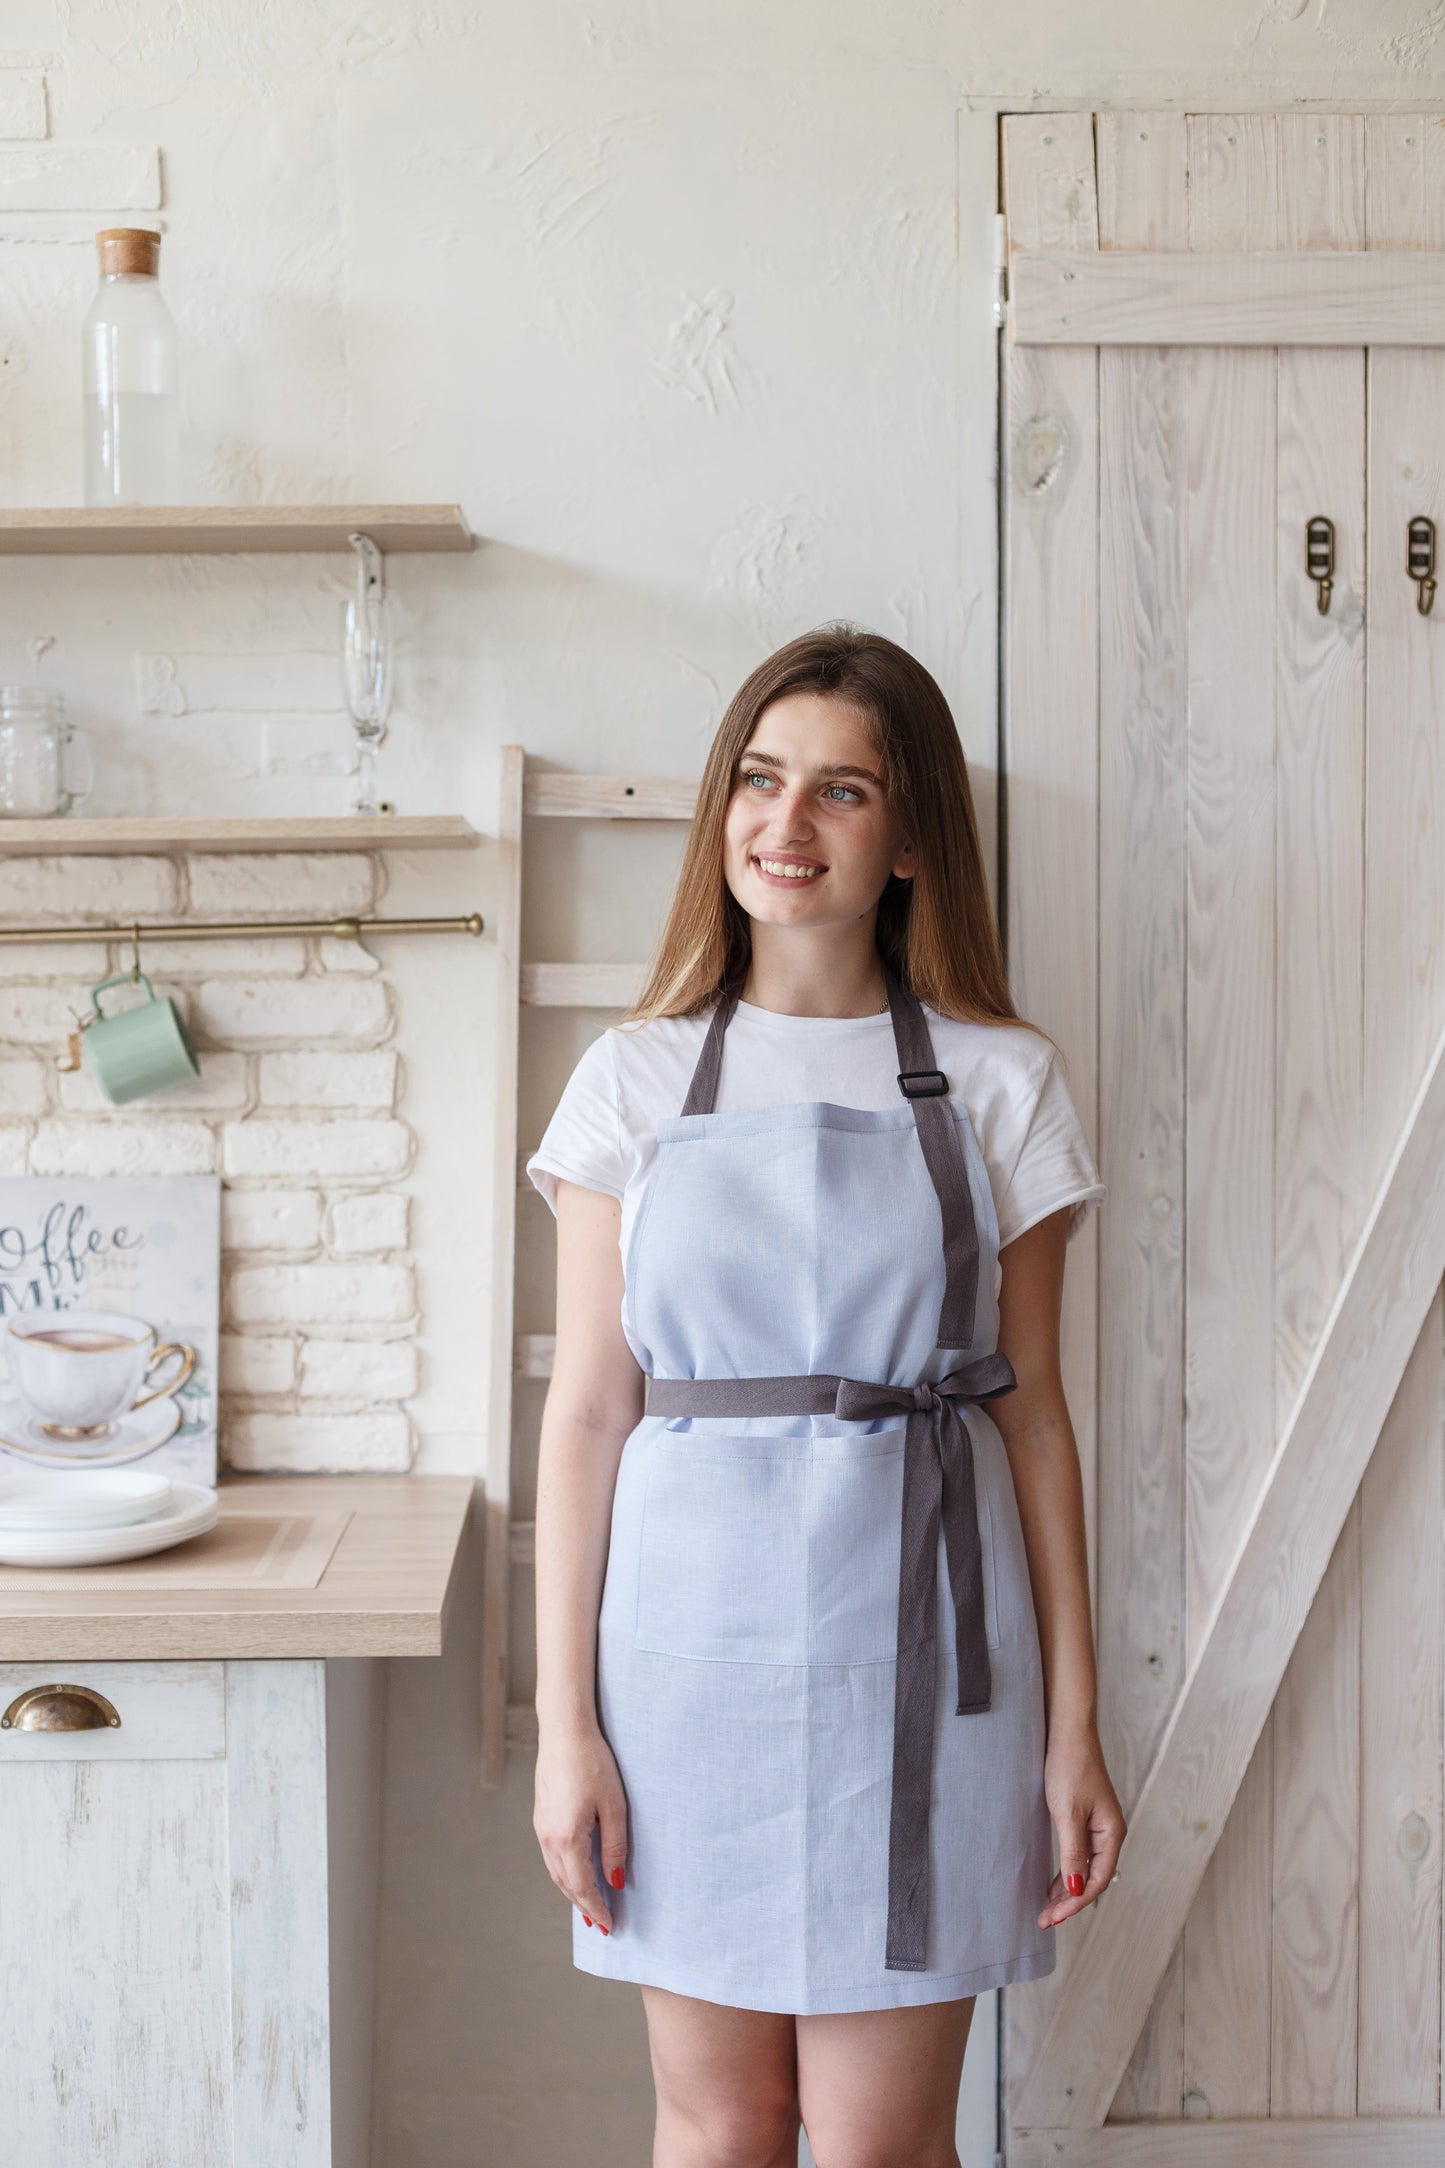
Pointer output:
144, 530
71, 836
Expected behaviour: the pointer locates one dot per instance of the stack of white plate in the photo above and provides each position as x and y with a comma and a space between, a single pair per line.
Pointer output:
96, 1516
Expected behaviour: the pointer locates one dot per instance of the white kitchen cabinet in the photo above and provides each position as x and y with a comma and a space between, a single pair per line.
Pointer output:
188, 1895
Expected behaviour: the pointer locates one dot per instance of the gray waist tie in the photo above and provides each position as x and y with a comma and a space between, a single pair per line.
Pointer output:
939, 1489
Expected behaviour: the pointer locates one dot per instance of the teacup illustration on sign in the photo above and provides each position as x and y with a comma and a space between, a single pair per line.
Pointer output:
79, 1374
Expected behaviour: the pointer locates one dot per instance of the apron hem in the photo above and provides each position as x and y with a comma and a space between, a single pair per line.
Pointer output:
897, 1992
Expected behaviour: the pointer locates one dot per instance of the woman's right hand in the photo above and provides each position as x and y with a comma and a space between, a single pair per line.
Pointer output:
579, 1788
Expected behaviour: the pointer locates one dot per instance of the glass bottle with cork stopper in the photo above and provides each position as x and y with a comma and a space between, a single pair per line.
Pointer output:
130, 372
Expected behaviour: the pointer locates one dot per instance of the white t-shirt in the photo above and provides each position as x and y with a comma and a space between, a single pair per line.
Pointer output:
1008, 1076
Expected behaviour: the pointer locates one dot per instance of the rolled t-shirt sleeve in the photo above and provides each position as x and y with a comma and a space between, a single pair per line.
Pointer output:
583, 1141
1054, 1166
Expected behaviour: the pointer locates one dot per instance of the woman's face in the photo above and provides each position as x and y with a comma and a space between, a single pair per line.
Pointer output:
809, 838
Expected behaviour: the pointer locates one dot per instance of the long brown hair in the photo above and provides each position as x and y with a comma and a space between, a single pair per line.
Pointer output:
937, 931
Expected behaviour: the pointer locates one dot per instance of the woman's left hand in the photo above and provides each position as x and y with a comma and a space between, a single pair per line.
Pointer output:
1089, 1820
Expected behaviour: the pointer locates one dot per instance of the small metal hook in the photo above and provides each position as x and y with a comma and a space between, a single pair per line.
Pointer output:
135, 949
1320, 557
1420, 562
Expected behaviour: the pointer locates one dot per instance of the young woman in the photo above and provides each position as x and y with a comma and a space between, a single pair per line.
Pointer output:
814, 1655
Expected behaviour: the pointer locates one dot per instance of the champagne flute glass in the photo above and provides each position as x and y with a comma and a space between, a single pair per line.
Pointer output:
366, 667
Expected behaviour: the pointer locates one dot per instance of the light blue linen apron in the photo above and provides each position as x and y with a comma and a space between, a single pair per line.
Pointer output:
822, 1815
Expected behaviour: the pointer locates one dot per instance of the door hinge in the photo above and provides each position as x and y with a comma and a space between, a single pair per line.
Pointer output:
1000, 270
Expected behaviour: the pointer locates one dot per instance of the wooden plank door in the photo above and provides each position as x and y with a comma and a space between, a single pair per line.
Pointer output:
1225, 895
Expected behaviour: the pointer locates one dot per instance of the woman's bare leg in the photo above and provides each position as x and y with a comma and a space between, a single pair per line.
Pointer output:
726, 2081
879, 2088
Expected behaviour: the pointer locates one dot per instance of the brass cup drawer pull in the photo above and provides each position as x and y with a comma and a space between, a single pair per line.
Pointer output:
59, 1708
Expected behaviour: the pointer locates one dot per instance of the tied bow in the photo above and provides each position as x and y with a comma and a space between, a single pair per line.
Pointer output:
939, 1489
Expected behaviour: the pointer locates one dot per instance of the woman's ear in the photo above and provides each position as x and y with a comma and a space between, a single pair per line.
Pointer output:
903, 866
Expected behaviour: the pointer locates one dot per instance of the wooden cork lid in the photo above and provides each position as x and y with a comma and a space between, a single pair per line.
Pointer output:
129, 248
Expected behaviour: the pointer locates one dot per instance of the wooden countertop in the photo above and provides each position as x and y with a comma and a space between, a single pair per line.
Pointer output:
324, 1565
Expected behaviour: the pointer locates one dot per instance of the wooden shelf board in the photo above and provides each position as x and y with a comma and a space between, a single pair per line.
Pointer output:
141, 530
388, 1590
70, 836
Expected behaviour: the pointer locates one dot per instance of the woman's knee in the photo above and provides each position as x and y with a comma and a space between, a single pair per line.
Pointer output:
750, 2129
836, 2146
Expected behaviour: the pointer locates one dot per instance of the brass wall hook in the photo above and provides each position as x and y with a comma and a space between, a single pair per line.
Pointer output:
1320, 557
1420, 562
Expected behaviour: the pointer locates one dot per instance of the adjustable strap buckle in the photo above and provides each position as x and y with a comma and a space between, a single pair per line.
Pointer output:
922, 1083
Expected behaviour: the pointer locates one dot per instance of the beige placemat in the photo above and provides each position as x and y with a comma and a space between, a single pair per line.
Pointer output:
243, 1550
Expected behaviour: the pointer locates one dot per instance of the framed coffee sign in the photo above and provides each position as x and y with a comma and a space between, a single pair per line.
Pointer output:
109, 1322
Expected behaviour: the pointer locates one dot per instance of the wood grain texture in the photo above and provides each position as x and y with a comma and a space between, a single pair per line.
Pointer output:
611, 797
355, 1758
136, 530
74, 835
497, 1579
1300, 2142
1391, 1280
1403, 1511
1049, 766
277, 1893
1310, 1913
1400, 1892
1267, 298
116, 2044
386, 1592
1230, 1000
581, 986
1143, 828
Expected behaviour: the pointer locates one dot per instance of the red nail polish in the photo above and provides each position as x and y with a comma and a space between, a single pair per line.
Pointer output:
618, 1878
1074, 1883
585, 1921
605, 1930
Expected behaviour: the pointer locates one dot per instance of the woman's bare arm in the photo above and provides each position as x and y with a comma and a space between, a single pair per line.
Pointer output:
1044, 1460
594, 1401
1043, 1457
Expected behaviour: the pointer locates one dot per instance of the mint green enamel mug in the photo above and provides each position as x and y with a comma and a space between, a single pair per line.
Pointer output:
139, 1050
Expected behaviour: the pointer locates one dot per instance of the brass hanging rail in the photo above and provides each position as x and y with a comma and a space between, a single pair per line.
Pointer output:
342, 929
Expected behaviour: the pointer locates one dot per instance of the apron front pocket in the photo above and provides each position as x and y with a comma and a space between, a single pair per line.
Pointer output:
722, 1568
855, 1516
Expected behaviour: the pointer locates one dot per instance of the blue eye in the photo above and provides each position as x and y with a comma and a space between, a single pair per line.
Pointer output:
840, 793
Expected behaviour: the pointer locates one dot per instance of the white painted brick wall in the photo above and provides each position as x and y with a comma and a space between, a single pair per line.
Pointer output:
75, 887
42, 1015
328, 1080
121, 1143
270, 1219
378, 1442
359, 1369
376, 1148
257, 1363
23, 1086
322, 1294
270, 1009
368, 1220
283, 884
224, 1084
296, 1105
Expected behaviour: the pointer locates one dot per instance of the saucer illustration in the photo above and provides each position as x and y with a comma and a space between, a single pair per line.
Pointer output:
134, 1434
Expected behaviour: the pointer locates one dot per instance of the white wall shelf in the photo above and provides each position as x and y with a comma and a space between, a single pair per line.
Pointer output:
146, 530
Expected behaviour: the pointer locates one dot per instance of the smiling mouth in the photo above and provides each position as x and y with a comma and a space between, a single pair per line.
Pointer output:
797, 870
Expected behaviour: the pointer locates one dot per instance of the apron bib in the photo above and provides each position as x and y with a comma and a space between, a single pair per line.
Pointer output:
800, 1531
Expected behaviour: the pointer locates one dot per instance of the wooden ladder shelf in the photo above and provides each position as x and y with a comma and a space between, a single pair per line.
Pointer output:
509, 1542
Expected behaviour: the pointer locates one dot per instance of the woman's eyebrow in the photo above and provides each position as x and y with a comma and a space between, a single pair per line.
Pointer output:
827, 767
